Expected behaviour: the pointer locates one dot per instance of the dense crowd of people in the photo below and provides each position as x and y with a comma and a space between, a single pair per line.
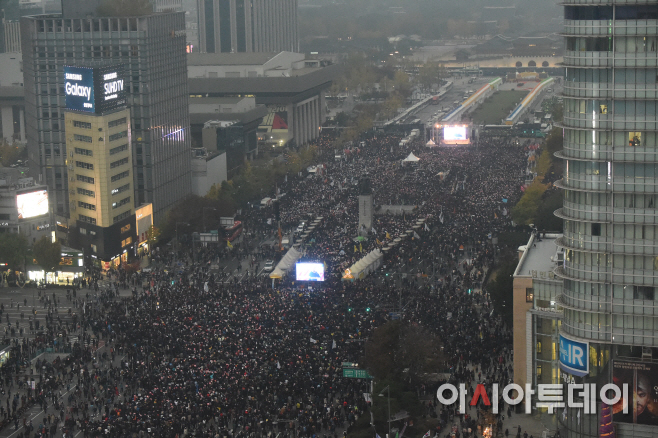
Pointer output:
189, 354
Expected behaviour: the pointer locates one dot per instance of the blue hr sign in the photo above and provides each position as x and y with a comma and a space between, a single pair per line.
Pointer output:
574, 356
79, 88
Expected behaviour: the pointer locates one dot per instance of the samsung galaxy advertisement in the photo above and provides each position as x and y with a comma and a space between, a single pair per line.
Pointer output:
94, 90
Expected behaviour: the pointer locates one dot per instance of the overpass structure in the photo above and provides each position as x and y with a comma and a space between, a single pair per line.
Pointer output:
420, 105
477, 98
527, 101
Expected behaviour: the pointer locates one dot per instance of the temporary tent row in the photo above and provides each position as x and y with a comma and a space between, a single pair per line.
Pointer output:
367, 264
286, 263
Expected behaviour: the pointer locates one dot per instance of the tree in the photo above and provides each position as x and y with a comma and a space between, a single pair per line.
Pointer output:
152, 235
13, 249
9, 154
124, 8
525, 211
47, 253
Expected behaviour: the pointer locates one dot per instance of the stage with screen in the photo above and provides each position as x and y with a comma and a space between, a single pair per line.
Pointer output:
455, 134
32, 204
310, 272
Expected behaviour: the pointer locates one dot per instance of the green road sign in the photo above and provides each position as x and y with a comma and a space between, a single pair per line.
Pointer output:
349, 364
356, 373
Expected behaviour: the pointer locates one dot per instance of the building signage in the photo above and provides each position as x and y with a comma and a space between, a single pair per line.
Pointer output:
574, 356
94, 90
79, 88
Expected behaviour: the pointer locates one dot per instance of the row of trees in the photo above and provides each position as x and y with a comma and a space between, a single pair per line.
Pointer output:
201, 213
16, 252
540, 199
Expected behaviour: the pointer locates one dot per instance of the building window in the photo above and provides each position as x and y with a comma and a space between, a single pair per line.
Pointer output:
116, 150
86, 192
84, 165
118, 135
119, 176
89, 220
83, 125
85, 138
121, 216
121, 189
538, 372
118, 163
538, 347
596, 229
83, 231
118, 204
127, 241
125, 228
643, 293
115, 123
87, 206
635, 139
4, 216
529, 294
86, 152
85, 179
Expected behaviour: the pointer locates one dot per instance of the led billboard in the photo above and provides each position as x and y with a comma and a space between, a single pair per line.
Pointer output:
94, 90
32, 204
79, 88
310, 271
455, 133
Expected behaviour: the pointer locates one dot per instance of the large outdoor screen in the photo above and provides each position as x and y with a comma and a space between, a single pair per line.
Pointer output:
310, 272
455, 133
32, 204
94, 90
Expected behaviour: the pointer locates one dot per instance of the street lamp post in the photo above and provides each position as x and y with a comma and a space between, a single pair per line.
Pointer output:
388, 393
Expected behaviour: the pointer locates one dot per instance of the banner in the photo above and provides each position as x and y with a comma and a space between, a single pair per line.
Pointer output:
642, 379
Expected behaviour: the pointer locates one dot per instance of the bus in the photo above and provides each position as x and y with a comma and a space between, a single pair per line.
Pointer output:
233, 232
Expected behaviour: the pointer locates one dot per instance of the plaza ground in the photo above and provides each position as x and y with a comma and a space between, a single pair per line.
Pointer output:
501, 102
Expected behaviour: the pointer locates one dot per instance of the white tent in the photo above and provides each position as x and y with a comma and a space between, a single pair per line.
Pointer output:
286, 263
367, 264
430, 143
411, 158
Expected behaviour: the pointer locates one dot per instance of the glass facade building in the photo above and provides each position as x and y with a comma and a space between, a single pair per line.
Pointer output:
232, 26
152, 49
610, 183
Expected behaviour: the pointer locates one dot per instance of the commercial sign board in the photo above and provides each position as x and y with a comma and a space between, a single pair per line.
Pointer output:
94, 90
574, 356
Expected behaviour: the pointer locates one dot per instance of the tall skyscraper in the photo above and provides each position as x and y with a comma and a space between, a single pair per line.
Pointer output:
609, 332
232, 26
152, 50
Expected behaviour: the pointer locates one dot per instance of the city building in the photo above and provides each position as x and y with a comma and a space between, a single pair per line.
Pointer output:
610, 184
12, 98
11, 37
233, 26
232, 137
24, 208
536, 313
99, 162
208, 168
289, 85
227, 124
152, 50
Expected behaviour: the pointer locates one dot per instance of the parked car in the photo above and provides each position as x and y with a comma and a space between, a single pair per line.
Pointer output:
269, 266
